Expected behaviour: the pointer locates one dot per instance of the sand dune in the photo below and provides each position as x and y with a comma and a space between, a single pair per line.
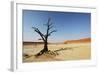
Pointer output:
84, 40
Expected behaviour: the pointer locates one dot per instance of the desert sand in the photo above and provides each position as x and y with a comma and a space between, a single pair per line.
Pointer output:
70, 51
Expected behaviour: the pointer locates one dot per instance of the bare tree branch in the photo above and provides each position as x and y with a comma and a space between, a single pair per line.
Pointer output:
50, 27
38, 31
49, 20
51, 32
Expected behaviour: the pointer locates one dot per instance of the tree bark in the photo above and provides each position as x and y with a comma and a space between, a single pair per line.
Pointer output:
45, 46
45, 49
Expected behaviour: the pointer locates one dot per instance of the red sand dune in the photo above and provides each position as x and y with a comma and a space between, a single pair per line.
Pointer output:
84, 40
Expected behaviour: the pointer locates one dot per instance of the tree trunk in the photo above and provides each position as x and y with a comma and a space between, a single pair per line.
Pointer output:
45, 49
45, 46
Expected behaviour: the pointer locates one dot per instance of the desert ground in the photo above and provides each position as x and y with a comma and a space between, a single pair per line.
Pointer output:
60, 52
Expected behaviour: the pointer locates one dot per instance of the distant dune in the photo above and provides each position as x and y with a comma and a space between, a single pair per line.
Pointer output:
84, 40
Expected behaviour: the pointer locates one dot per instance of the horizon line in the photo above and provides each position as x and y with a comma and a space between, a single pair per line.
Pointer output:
60, 41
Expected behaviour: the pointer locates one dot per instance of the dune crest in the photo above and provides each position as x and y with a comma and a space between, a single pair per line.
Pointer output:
83, 40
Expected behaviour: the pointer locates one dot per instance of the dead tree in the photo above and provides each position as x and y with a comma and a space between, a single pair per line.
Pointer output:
45, 36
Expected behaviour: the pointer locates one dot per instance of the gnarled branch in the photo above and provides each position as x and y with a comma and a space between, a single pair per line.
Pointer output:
51, 32
38, 31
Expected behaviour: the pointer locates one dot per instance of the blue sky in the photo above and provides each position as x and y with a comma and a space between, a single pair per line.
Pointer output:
69, 25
